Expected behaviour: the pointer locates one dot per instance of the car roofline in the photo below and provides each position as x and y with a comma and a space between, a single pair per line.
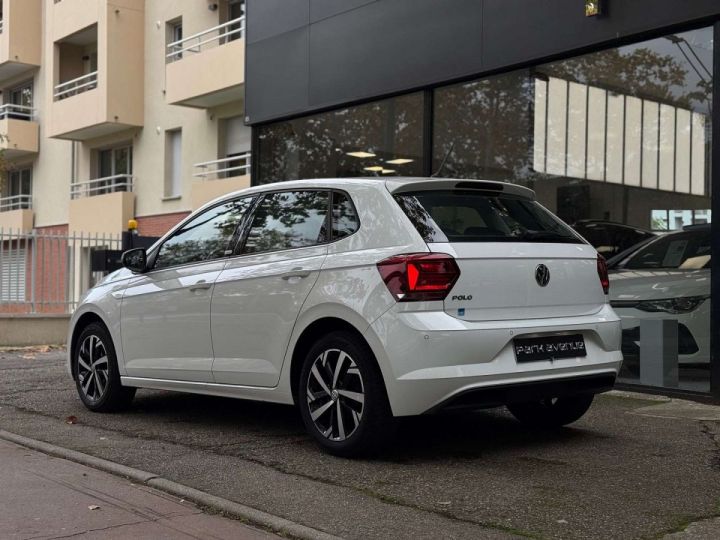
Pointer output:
393, 185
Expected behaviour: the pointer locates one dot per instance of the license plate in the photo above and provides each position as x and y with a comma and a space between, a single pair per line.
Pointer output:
549, 348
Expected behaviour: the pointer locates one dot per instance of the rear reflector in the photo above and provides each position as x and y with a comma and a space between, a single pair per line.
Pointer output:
603, 273
419, 277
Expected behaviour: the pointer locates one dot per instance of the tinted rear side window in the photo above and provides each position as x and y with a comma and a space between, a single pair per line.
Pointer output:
344, 217
471, 216
287, 220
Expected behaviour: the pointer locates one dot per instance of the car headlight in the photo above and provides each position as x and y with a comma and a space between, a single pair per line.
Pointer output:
684, 304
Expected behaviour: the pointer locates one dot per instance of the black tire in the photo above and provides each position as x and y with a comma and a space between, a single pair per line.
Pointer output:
552, 412
99, 386
367, 427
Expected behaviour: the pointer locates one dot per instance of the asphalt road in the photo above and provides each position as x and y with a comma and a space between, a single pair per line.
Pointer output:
614, 474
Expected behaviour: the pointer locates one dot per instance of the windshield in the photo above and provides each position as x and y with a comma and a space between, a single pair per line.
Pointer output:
689, 250
472, 216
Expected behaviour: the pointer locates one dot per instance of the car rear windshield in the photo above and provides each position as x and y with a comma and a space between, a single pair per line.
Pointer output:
473, 216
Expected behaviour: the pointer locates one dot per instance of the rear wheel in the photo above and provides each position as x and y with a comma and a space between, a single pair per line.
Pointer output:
552, 412
96, 372
342, 397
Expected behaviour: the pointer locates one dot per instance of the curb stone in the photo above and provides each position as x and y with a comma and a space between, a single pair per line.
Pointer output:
251, 515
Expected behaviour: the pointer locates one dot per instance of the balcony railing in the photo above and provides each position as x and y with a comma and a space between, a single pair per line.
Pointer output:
15, 202
224, 168
101, 186
222, 34
18, 112
76, 86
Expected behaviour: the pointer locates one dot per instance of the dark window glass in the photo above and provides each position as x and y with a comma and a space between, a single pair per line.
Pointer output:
469, 216
689, 250
204, 238
287, 220
383, 138
344, 218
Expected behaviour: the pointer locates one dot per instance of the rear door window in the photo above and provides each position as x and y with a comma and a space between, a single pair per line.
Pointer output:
471, 216
288, 220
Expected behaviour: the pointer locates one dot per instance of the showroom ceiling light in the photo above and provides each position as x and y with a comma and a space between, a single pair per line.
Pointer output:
387, 171
400, 161
374, 168
361, 154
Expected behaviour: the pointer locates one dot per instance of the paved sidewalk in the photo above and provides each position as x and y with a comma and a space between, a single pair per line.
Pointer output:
43, 497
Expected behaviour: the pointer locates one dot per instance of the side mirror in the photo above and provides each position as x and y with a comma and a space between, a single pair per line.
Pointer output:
135, 260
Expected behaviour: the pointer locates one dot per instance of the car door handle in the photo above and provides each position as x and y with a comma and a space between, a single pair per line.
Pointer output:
200, 286
295, 273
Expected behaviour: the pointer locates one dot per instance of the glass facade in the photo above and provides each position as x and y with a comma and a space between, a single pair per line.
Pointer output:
617, 143
380, 138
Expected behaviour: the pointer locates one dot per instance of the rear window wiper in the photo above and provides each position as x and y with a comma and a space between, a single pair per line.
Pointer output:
546, 236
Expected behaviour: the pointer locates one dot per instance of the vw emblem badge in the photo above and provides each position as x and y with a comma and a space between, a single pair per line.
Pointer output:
542, 275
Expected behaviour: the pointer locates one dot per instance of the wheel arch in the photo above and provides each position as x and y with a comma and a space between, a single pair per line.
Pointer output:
82, 322
310, 334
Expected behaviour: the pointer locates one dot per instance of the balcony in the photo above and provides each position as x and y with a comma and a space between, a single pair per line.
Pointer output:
16, 213
207, 69
102, 205
20, 37
219, 177
21, 134
98, 65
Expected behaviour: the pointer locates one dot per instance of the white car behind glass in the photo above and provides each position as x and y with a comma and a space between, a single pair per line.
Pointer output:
359, 301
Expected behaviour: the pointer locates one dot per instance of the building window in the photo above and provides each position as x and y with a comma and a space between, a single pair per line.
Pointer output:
20, 182
235, 137
173, 163
235, 10
174, 34
18, 102
383, 138
114, 170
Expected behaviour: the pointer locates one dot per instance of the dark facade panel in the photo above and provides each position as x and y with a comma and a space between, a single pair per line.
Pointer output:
364, 49
278, 64
389, 46
321, 9
518, 31
275, 17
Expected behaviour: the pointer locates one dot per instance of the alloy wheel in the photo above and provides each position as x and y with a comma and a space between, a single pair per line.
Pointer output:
93, 374
335, 395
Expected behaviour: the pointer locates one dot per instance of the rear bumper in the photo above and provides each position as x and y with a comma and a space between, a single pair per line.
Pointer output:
429, 359
494, 396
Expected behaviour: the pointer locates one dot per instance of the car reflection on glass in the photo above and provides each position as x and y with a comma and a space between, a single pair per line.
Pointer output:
609, 238
667, 277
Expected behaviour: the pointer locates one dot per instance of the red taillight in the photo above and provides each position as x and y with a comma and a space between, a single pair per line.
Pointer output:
419, 276
603, 273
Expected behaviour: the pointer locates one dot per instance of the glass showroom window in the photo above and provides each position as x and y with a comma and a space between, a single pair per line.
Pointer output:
382, 138
617, 143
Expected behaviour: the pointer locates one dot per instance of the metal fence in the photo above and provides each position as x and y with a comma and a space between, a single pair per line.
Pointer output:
45, 272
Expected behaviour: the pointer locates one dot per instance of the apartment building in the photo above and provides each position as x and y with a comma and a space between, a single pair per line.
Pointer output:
119, 109
112, 110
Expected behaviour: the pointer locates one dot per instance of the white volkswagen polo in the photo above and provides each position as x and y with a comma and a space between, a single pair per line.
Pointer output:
359, 301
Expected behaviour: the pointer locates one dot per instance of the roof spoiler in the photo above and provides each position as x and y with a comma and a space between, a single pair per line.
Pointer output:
428, 184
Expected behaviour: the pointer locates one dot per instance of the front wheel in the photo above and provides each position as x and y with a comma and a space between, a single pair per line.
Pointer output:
551, 412
342, 397
96, 372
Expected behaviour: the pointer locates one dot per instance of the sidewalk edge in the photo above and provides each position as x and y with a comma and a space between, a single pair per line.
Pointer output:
251, 515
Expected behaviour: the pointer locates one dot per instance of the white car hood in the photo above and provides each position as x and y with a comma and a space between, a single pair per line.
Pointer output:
657, 284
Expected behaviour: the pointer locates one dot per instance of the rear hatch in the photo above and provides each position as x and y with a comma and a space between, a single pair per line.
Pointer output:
516, 260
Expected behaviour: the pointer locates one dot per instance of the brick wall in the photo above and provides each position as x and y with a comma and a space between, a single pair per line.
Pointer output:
159, 224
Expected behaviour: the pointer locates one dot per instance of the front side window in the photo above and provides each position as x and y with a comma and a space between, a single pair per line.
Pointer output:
288, 220
204, 238
471, 216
